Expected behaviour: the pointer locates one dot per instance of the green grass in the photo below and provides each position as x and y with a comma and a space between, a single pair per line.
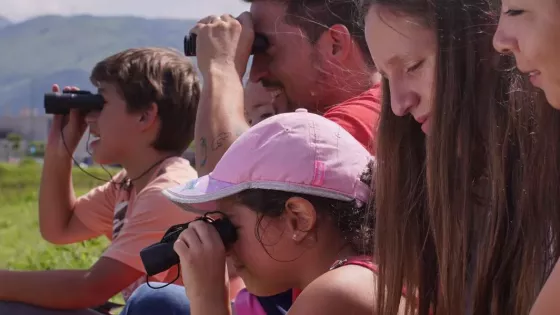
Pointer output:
21, 245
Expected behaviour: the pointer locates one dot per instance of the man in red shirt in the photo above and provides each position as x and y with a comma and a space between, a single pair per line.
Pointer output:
317, 56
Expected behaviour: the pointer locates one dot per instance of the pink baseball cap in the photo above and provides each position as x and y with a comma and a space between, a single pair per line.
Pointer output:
298, 152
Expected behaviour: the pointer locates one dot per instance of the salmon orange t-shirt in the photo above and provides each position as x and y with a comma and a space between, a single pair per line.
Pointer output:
134, 220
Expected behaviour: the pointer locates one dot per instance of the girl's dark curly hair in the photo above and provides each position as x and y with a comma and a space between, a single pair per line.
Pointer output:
354, 220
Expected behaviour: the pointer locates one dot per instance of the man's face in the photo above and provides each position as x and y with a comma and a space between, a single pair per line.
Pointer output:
291, 63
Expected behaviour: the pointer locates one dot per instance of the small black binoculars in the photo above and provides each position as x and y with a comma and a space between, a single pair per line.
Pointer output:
161, 256
62, 103
260, 44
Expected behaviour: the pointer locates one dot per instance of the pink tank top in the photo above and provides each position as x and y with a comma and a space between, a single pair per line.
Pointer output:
248, 304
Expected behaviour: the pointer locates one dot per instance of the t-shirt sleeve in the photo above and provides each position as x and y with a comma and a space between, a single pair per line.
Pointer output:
358, 121
150, 216
96, 209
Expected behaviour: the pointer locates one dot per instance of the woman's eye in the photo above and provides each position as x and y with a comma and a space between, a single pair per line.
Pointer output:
415, 67
512, 12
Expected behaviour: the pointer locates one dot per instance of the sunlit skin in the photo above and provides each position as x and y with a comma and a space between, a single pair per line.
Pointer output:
530, 30
404, 51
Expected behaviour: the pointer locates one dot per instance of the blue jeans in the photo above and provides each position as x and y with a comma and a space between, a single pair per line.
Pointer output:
170, 300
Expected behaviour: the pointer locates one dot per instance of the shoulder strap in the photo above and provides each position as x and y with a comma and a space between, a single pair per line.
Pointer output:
364, 261
247, 304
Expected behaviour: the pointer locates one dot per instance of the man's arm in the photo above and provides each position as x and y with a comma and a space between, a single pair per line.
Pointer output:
68, 289
220, 119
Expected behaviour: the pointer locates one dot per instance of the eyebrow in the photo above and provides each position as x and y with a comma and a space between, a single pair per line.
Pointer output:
395, 59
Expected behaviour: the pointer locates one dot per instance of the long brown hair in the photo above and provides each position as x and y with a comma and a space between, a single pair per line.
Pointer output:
453, 209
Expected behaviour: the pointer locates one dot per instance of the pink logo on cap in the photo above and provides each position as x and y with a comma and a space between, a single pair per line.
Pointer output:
319, 174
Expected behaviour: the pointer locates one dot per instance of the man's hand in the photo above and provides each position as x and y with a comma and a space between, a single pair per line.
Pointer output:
224, 42
203, 266
66, 131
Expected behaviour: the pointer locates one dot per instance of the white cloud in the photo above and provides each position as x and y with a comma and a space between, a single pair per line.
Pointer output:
17, 10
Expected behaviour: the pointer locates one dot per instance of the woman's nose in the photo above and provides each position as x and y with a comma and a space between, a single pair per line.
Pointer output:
503, 42
403, 99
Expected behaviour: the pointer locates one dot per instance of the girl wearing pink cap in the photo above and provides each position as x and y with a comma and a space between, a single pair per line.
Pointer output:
296, 188
530, 31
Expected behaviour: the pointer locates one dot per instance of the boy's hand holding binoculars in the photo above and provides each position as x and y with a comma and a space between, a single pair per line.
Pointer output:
71, 127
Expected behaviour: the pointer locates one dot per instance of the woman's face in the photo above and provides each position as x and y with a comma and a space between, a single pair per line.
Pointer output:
530, 30
404, 51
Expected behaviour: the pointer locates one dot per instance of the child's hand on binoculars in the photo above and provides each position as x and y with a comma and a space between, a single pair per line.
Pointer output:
71, 127
224, 42
203, 265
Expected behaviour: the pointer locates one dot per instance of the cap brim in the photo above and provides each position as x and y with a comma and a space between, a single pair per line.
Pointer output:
200, 195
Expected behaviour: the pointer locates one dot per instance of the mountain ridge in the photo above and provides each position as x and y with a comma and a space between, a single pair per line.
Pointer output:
58, 49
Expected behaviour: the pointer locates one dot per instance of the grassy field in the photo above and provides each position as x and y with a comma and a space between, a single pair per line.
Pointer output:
21, 245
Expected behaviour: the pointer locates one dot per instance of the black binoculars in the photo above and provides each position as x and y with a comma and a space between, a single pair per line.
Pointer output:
62, 103
260, 44
161, 256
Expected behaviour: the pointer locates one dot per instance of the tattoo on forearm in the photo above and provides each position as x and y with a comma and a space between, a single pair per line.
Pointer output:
220, 139
203, 151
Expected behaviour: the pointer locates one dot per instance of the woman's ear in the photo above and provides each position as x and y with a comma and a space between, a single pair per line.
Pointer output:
301, 218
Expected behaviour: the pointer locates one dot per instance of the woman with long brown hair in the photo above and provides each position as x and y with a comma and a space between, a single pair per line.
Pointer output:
455, 145
530, 30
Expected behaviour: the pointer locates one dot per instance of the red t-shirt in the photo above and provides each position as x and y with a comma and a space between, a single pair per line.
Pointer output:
359, 116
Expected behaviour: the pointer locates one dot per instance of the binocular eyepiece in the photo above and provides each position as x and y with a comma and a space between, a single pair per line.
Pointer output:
260, 44
161, 256
62, 103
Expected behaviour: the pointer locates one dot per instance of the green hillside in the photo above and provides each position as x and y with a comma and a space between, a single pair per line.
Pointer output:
54, 49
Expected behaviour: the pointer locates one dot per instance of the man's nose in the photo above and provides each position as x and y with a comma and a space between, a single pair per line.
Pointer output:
259, 67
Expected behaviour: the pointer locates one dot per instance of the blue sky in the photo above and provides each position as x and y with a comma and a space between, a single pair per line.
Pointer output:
18, 10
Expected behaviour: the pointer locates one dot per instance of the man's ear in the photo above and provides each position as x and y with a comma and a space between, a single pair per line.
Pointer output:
301, 218
337, 42
148, 117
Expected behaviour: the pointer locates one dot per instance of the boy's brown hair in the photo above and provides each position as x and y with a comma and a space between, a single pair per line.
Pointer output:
156, 75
